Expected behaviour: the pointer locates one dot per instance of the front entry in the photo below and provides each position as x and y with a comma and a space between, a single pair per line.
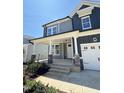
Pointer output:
91, 55
69, 50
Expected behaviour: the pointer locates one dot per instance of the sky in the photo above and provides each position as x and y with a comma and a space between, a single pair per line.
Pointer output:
39, 12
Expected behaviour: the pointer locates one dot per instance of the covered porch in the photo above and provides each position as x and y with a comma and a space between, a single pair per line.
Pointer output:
62, 49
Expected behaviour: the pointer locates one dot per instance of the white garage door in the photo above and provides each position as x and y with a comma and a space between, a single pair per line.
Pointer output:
91, 55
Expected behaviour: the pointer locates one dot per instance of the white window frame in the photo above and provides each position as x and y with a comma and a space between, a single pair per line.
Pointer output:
54, 49
52, 29
83, 23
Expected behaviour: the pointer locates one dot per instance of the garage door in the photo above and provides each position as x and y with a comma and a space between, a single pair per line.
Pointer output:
91, 55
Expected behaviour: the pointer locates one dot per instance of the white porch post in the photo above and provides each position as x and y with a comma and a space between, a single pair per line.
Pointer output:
50, 48
75, 44
50, 56
76, 57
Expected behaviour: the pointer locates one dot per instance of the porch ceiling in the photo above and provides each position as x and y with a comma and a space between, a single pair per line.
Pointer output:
59, 37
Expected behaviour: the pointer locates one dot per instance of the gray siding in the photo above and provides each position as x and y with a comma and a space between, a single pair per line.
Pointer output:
65, 26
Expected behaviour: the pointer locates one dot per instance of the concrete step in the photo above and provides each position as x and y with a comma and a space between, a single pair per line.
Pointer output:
59, 70
60, 67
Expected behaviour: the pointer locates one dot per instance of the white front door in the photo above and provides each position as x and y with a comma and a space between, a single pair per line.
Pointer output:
91, 56
69, 50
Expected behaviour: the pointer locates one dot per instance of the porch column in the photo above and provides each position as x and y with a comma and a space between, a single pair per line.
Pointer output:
50, 47
50, 56
76, 56
75, 43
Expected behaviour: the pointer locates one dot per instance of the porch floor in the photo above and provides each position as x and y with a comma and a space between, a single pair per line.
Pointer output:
64, 62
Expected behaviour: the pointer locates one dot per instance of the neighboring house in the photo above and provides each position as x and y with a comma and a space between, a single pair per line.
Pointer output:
41, 50
75, 37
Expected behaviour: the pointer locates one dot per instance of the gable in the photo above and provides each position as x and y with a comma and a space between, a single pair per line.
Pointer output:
84, 4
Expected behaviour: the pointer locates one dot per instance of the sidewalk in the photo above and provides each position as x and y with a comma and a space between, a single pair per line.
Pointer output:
77, 82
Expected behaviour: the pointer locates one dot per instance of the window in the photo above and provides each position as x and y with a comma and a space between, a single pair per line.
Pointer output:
56, 49
51, 30
86, 24
54, 30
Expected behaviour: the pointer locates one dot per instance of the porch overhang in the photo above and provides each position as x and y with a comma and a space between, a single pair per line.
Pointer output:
77, 33
46, 40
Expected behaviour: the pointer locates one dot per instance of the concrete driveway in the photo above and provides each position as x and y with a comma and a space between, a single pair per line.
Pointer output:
88, 78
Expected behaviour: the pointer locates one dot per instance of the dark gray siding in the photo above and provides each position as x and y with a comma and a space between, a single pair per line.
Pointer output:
94, 17
87, 39
76, 22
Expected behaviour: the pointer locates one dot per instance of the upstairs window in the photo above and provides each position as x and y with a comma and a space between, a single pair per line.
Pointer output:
86, 24
54, 30
51, 30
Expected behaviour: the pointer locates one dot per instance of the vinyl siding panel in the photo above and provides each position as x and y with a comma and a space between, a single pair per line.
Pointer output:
65, 26
94, 17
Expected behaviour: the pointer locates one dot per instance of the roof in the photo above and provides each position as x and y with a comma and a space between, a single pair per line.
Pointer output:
26, 39
56, 20
85, 2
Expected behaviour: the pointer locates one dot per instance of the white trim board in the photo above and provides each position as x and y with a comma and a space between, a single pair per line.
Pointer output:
84, 2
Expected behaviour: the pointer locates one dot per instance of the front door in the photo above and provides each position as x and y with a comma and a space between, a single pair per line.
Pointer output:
69, 50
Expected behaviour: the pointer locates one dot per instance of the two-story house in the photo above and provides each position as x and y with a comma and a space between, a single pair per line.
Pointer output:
75, 37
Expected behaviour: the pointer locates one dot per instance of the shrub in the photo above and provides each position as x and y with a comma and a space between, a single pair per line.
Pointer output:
43, 69
36, 68
37, 87
33, 67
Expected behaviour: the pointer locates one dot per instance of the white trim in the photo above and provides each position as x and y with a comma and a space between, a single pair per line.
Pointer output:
72, 47
84, 2
57, 22
50, 47
66, 35
75, 44
89, 22
85, 11
51, 27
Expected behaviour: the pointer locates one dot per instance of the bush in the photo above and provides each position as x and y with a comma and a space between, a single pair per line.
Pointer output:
36, 87
37, 68
43, 69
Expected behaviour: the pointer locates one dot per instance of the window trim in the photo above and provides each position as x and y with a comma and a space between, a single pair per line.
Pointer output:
51, 27
83, 23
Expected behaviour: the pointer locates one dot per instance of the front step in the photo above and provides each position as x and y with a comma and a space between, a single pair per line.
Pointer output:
60, 68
